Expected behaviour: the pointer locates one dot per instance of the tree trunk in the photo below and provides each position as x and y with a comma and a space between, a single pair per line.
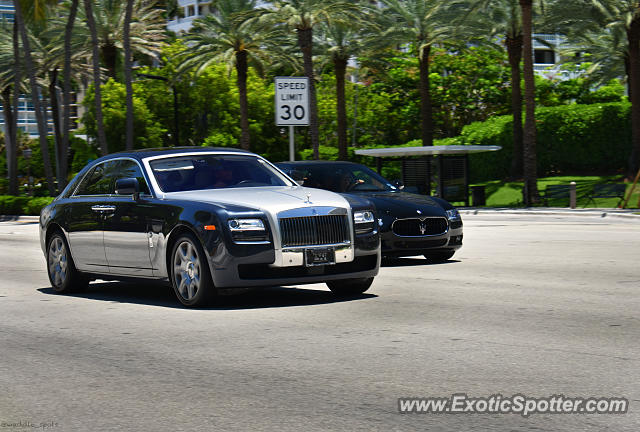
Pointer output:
55, 113
127, 73
633, 35
37, 107
17, 79
530, 190
426, 114
514, 51
305, 41
340, 66
109, 55
241, 69
102, 139
10, 144
66, 93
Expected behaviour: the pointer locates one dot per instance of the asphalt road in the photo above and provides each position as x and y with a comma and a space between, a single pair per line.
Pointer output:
538, 305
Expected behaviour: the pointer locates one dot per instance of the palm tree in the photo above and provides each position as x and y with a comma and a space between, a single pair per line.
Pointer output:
609, 27
35, 95
302, 16
422, 23
127, 73
9, 70
102, 139
147, 31
66, 91
235, 36
486, 20
530, 190
340, 42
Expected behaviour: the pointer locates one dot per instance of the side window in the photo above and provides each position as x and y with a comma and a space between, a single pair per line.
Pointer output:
100, 181
130, 169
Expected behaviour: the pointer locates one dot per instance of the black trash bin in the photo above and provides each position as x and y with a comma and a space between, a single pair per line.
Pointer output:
477, 196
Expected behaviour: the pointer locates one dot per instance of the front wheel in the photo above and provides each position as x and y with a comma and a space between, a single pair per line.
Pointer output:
439, 257
347, 287
63, 275
190, 274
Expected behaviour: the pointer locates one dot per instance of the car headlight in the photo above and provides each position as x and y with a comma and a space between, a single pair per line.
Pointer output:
364, 221
453, 214
248, 230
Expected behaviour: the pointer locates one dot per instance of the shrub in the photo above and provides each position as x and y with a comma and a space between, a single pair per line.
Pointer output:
21, 205
35, 205
12, 205
570, 138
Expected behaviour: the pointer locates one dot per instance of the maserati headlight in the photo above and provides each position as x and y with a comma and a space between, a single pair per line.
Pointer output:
364, 221
248, 230
453, 214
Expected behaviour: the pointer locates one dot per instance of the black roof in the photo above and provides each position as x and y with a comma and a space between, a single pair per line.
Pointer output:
143, 153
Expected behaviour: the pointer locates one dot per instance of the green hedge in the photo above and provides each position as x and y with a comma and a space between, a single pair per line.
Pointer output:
20, 205
570, 138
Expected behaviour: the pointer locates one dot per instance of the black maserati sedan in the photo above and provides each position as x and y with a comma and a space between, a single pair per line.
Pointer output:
205, 219
410, 224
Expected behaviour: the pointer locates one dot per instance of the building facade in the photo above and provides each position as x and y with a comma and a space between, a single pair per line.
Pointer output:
191, 9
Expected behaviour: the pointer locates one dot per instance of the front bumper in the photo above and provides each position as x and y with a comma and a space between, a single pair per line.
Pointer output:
231, 269
398, 246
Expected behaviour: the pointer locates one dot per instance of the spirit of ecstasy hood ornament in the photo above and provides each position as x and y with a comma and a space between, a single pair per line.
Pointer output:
308, 200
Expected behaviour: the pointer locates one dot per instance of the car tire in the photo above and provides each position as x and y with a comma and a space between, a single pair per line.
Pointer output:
439, 257
62, 272
190, 274
350, 287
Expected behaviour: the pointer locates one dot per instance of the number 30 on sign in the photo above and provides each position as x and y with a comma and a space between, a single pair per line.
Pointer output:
292, 101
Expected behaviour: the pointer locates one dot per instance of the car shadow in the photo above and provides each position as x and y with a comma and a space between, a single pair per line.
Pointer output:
251, 298
408, 262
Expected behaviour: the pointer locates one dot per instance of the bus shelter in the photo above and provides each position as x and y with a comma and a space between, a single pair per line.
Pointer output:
445, 166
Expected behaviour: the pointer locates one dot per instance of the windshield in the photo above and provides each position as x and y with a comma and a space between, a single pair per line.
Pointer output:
214, 171
340, 178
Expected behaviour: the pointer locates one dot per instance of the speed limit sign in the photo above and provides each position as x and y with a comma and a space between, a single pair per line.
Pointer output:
292, 101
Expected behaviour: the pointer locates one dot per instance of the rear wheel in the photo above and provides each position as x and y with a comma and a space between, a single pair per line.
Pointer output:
63, 275
190, 275
347, 287
439, 257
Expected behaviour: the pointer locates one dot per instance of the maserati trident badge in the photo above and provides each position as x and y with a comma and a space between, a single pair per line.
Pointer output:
423, 227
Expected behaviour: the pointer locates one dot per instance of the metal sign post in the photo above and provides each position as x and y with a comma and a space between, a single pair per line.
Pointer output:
292, 143
292, 106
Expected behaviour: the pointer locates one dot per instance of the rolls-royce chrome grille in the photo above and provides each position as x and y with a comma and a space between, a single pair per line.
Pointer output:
314, 230
418, 227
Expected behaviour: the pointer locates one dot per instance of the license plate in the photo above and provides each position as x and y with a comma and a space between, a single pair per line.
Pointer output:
314, 257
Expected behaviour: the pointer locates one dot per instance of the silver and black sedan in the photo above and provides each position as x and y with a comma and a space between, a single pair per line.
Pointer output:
410, 224
205, 219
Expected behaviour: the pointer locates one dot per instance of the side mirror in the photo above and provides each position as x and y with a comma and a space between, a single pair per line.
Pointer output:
398, 184
128, 186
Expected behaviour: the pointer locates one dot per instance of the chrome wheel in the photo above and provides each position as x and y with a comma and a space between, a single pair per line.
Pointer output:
58, 262
187, 270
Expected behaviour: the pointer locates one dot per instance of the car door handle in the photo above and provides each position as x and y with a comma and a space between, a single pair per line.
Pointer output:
103, 208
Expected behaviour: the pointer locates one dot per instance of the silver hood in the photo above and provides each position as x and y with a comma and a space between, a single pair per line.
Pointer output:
270, 199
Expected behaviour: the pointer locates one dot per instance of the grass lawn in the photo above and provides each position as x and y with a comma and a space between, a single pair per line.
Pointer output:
509, 194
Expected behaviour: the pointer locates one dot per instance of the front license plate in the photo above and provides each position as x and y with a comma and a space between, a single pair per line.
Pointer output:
315, 257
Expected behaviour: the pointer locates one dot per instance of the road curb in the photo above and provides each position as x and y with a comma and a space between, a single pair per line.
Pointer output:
599, 213
15, 218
